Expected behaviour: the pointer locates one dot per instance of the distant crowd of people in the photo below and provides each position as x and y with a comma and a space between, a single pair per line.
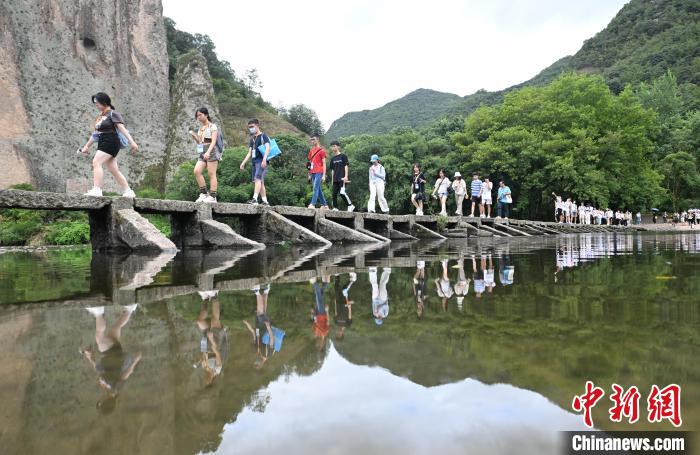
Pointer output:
690, 216
568, 211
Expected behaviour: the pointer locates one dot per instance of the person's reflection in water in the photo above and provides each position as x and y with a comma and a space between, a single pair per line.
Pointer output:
319, 311
267, 339
506, 271
380, 297
419, 291
213, 346
478, 276
114, 366
343, 306
489, 275
462, 286
444, 286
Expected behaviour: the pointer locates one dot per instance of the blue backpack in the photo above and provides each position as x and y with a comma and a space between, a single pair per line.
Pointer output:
123, 141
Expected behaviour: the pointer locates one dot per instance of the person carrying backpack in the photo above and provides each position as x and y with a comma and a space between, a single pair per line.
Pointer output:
110, 135
259, 159
209, 155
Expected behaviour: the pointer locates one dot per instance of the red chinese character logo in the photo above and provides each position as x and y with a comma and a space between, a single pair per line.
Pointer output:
665, 404
587, 401
626, 404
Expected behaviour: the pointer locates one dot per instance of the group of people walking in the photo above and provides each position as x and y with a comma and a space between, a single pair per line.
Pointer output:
479, 192
111, 136
569, 212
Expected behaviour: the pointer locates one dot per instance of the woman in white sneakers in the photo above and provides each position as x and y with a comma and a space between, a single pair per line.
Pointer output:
441, 190
209, 155
459, 186
486, 198
107, 123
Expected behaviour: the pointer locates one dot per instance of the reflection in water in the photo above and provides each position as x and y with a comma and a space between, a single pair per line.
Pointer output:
380, 296
342, 305
426, 369
114, 364
266, 338
214, 344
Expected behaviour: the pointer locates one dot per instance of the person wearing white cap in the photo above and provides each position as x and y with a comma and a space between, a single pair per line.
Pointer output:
460, 188
377, 183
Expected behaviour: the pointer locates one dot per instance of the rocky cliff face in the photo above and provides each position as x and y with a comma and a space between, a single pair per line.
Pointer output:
53, 57
191, 89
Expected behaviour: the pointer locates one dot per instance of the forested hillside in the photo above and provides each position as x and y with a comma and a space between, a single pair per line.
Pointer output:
644, 40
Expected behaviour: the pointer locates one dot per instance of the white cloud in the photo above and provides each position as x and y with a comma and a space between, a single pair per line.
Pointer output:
345, 408
338, 57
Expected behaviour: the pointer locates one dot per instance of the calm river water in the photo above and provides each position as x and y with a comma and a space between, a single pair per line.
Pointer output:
452, 347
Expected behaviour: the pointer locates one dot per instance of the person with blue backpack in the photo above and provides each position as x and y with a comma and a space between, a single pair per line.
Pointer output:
210, 148
111, 136
258, 140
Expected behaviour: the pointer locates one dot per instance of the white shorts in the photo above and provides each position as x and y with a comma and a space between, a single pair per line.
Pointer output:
485, 200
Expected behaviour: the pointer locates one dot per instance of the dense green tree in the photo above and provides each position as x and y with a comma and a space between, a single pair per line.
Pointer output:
304, 118
573, 136
680, 179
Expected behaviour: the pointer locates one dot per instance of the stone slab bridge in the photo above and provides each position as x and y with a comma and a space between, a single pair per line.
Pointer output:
116, 223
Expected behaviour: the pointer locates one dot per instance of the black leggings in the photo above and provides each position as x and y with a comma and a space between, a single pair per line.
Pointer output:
336, 190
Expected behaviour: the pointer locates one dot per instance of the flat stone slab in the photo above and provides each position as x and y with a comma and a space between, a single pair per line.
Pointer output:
332, 214
286, 210
376, 216
229, 208
401, 218
164, 206
19, 199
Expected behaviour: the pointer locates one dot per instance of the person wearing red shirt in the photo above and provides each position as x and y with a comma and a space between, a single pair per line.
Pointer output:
317, 172
319, 313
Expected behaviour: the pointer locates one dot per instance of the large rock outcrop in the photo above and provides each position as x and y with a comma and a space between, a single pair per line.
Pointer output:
53, 57
191, 89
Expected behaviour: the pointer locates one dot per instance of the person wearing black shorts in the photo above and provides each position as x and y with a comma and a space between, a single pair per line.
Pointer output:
418, 189
107, 124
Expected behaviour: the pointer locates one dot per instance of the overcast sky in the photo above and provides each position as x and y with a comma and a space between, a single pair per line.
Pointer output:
341, 56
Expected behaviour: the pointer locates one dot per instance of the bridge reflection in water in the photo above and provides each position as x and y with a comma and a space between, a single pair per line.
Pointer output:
419, 346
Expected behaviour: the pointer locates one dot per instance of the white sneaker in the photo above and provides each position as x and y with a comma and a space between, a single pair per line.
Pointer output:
482, 216
351, 208
95, 310
443, 213
209, 199
201, 197
129, 193
334, 209
94, 192
130, 308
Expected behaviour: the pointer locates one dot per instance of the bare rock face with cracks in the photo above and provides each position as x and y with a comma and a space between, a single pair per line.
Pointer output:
53, 56
191, 89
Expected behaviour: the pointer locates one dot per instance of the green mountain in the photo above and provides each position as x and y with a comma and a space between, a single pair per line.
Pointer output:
642, 42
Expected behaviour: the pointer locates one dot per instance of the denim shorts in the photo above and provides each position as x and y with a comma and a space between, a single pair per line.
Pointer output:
259, 172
